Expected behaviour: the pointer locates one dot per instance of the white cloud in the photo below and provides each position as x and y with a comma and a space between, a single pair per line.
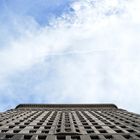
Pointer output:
102, 39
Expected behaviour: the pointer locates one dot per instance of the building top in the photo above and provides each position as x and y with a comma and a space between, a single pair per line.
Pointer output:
111, 106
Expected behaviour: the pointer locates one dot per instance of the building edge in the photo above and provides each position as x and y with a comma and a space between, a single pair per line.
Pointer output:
66, 106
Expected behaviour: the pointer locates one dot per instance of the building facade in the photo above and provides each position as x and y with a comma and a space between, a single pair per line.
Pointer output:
69, 122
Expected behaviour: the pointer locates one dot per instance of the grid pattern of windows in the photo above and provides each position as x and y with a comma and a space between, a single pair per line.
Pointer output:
72, 123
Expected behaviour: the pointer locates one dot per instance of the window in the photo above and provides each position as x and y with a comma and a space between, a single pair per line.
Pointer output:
9, 136
42, 137
94, 137
75, 137
108, 137
61, 138
27, 137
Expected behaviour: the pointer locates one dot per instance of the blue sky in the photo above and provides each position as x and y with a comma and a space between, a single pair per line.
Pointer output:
35, 9
70, 51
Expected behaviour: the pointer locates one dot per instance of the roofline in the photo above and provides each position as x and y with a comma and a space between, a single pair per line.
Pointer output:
66, 106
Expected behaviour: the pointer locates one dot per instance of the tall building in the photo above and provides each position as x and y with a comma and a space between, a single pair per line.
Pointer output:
69, 122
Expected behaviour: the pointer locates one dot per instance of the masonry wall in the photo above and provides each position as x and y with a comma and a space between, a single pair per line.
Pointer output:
69, 123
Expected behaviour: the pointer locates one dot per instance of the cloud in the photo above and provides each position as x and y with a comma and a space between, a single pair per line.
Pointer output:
89, 54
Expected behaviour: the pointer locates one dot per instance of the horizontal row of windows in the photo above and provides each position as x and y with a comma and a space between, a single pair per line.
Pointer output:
72, 137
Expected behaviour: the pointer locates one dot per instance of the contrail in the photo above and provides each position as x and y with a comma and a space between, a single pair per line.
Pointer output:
77, 52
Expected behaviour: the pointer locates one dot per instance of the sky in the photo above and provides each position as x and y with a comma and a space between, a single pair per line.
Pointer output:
70, 51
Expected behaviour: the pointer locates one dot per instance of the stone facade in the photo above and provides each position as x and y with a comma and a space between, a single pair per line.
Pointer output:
69, 122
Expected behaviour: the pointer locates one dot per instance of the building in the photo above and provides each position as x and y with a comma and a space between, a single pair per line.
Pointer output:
69, 122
